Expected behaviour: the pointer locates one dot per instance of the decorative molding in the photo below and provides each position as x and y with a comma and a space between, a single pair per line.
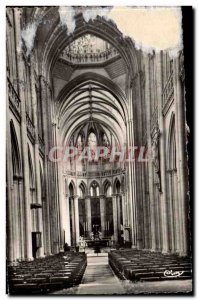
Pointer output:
168, 91
14, 100
30, 128
97, 174
167, 106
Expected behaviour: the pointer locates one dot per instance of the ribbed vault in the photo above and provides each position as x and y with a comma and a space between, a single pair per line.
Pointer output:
93, 103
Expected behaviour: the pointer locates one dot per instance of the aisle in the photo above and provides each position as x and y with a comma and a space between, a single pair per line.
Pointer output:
99, 278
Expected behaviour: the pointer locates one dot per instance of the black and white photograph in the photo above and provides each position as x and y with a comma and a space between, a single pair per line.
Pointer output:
98, 163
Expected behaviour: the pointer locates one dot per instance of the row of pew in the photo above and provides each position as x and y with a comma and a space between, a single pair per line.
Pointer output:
46, 275
137, 265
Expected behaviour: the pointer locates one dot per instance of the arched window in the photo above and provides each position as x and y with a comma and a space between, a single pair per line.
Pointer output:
105, 140
79, 142
117, 186
107, 189
94, 189
82, 189
16, 166
92, 140
71, 190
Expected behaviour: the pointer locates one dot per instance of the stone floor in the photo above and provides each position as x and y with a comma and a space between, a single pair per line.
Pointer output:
99, 279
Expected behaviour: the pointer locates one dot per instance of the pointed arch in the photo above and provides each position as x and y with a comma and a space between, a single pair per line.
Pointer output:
16, 159
72, 188
98, 27
31, 169
117, 186
107, 187
94, 188
83, 189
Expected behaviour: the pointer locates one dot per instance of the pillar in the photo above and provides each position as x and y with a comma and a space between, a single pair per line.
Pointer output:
150, 166
16, 218
181, 157
66, 221
123, 199
118, 214
162, 149
27, 214
115, 218
73, 220
76, 214
21, 208
88, 215
102, 214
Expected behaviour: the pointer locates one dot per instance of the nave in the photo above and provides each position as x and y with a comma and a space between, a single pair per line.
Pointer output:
109, 272
84, 108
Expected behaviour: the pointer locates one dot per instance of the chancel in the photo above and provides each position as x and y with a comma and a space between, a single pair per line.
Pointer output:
84, 112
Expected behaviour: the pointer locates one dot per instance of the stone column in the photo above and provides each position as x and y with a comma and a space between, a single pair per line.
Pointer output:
123, 209
66, 221
76, 214
150, 166
27, 214
123, 215
9, 188
176, 207
88, 214
102, 214
115, 218
38, 171
20, 187
16, 218
73, 220
64, 203
180, 134
171, 210
118, 214
162, 149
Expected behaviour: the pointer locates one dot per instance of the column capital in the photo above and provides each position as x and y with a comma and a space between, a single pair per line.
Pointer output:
87, 197
102, 196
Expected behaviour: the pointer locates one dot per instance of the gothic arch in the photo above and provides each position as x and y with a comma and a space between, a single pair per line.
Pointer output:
31, 170
99, 27
72, 188
116, 186
83, 188
106, 185
97, 183
16, 159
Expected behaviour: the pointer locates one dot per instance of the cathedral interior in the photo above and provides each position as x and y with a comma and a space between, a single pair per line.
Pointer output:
92, 88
